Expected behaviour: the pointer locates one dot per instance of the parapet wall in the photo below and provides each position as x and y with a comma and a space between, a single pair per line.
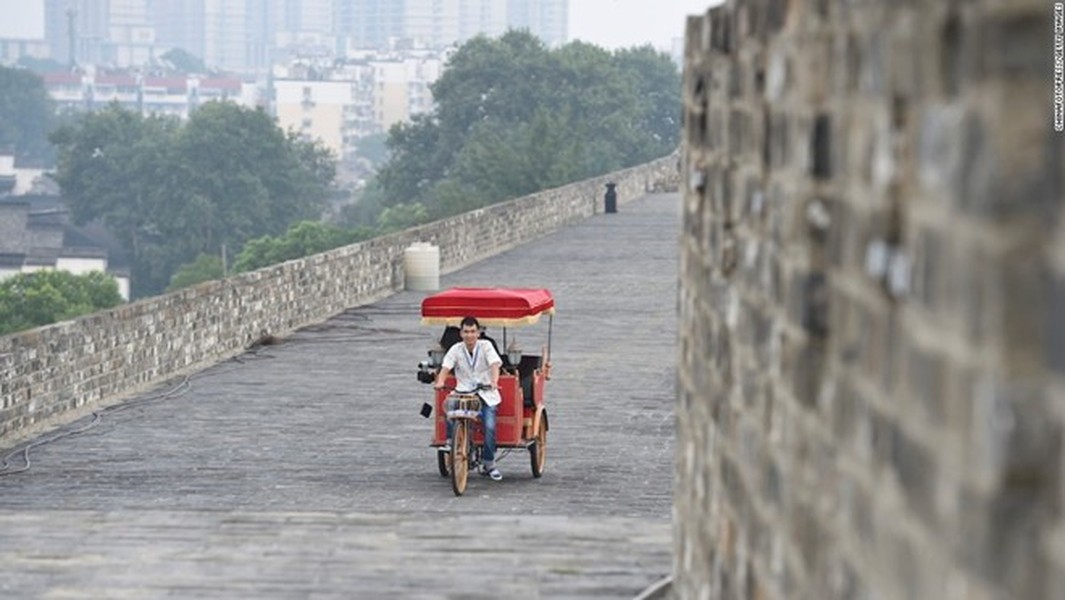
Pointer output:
67, 368
872, 363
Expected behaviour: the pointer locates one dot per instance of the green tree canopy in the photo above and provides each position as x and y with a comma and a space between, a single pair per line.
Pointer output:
184, 61
302, 239
206, 267
27, 115
30, 300
171, 191
513, 116
373, 148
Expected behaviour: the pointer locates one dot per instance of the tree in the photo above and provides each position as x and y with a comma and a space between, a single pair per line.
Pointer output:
373, 148
402, 216
171, 191
41, 65
513, 117
119, 167
183, 61
26, 115
206, 267
302, 239
30, 300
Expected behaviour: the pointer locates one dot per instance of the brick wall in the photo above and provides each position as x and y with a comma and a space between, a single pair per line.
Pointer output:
50, 374
872, 363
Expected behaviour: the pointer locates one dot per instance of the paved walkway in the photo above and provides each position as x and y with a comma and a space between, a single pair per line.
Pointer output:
303, 469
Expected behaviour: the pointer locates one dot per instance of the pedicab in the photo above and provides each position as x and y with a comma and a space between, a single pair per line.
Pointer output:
521, 417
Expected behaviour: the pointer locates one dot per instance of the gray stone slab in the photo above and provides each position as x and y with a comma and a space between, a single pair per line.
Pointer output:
303, 469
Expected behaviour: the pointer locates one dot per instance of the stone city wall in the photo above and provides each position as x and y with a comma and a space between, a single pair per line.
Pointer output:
66, 369
871, 390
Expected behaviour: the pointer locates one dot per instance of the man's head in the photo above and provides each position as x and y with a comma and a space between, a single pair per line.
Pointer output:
470, 329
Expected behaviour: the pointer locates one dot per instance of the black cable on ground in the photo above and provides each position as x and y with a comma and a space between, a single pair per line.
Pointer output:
180, 389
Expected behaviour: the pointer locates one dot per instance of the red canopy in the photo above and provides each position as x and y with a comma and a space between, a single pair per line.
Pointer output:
498, 307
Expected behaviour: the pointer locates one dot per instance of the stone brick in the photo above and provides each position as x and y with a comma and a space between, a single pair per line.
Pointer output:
918, 129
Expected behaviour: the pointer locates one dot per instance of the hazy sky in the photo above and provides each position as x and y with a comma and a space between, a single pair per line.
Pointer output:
622, 23
608, 23
22, 19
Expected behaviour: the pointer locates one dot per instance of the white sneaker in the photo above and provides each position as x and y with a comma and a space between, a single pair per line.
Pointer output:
446, 447
495, 474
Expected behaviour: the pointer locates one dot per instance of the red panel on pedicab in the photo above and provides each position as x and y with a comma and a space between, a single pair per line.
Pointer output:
508, 414
440, 420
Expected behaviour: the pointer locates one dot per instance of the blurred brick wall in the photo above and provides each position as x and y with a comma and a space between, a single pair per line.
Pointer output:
872, 363
52, 374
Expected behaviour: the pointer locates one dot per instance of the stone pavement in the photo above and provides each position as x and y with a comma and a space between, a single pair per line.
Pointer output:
303, 469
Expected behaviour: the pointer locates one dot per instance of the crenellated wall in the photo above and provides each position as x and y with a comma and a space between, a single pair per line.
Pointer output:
56, 372
872, 364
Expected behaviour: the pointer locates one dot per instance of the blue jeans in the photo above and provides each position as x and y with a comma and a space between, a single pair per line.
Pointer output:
488, 420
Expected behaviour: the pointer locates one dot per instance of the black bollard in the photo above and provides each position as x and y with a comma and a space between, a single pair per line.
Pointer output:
611, 198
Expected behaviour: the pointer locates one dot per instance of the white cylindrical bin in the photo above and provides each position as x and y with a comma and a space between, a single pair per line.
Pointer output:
421, 264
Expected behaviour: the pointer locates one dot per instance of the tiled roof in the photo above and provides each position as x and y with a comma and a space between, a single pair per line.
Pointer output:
10, 259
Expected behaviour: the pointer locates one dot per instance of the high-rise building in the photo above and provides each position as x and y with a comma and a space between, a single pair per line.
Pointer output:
546, 19
431, 23
226, 39
481, 17
83, 22
130, 33
180, 24
441, 23
249, 35
371, 23
305, 16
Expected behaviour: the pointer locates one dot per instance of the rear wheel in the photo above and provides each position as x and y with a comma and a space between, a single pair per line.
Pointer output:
538, 449
460, 457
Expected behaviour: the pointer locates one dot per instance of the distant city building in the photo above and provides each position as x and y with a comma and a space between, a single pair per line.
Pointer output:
22, 37
174, 95
76, 30
315, 109
248, 36
546, 19
181, 24
339, 104
388, 24
130, 33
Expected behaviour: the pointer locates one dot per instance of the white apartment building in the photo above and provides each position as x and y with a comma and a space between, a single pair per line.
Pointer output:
315, 109
175, 96
367, 95
401, 88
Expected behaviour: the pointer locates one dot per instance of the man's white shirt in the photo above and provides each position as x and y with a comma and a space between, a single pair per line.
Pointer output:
472, 368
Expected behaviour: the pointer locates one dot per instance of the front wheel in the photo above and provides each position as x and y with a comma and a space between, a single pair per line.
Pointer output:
443, 462
460, 457
538, 449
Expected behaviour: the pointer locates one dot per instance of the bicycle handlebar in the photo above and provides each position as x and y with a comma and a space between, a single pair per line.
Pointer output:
480, 386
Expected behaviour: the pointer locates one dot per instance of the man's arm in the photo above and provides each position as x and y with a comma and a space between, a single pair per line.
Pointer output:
441, 377
494, 362
495, 375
